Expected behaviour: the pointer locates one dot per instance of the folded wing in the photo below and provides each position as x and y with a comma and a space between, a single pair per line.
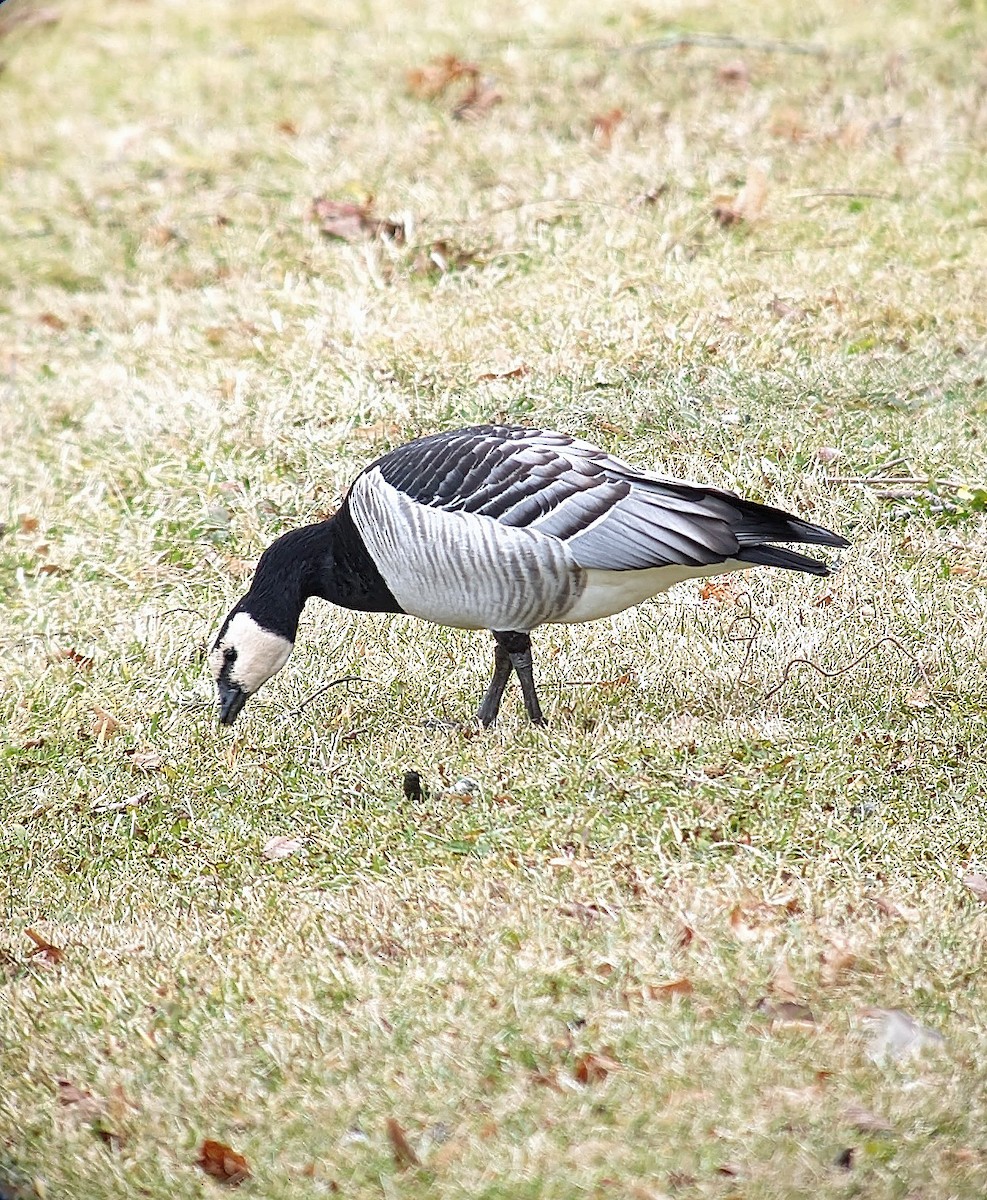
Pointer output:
609, 515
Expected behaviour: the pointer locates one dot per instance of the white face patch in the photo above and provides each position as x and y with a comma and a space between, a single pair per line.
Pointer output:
259, 653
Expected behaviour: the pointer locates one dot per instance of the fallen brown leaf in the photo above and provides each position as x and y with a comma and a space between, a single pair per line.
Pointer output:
103, 725
162, 235
401, 1148
889, 908
222, 1163
71, 1096
281, 847
83, 661
441, 257
432, 80
479, 99
720, 592
863, 1119
350, 222
784, 310
547, 1079
668, 990
43, 948
835, 961
788, 123
592, 1067
144, 760
605, 125
977, 884
52, 321
28, 524
517, 371
785, 1011
735, 73
782, 983
748, 205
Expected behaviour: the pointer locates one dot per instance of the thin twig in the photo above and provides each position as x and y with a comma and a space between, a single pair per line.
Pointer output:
807, 662
728, 41
842, 194
900, 461
326, 687
170, 612
748, 639
952, 485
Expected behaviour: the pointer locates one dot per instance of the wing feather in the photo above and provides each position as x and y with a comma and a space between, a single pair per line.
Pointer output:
609, 515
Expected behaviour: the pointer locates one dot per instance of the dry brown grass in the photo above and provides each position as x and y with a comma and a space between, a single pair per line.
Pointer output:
188, 367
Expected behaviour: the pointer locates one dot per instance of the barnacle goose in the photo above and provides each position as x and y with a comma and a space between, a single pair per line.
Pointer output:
502, 528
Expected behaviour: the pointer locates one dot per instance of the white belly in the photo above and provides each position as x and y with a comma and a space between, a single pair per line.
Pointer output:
607, 592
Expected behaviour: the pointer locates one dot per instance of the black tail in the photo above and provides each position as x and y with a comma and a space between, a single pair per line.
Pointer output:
778, 556
774, 525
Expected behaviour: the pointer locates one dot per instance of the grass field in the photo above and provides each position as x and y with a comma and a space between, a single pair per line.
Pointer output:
675, 944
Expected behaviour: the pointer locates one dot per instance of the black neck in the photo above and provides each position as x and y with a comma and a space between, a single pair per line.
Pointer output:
328, 560
348, 576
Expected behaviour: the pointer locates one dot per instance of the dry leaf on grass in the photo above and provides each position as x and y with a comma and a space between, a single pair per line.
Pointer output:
86, 1105
785, 1012
350, 222
222, 1163
788, 123
103, 725
44, 949
83, 661
889, 908
782, 983
977, 884
670, 990
748, 205
548, 1079
27, 524
721, 592
516, 370
834, 962
735, 73
441, 257
401, 1148
605, 125
481, 97
432, 80
144, 761
281, 847
592, 1067
864, 1120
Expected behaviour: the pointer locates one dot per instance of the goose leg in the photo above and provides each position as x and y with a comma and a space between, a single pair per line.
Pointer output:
517, 647
490, 704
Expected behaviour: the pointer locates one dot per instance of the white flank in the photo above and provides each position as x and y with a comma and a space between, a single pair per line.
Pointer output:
259, 653
609, 592
458, 568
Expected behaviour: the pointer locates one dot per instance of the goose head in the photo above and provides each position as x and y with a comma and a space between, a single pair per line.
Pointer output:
244, 657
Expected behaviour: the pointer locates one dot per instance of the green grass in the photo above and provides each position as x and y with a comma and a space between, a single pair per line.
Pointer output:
188, 368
